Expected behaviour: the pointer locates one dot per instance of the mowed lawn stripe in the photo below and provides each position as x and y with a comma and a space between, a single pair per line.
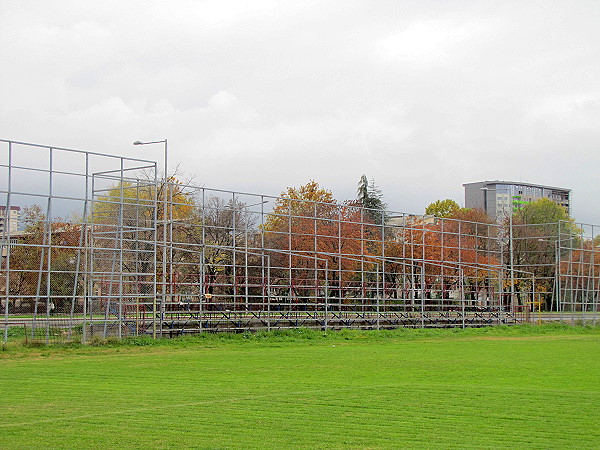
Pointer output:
330, 420
429, 393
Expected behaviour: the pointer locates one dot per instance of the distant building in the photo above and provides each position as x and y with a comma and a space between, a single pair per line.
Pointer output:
411, 220
13, 219
400, 226
501, 198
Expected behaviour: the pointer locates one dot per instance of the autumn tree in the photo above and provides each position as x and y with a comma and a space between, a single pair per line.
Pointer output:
477, 240
296, 228
132, 217
141, 202
43, 262
309, 221
461, 244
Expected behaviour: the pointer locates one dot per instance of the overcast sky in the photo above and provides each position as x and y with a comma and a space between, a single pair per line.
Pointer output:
255, 95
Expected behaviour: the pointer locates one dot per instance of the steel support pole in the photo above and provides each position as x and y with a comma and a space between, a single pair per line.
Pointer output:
234, 235
49, 301
461, 274
120, 225
511, 257
423, 274
268, 292
6, 243
378, 295
246, 293
202, 258
87, 281
164, 262
326, 290
155, 259
593, 276
164, 240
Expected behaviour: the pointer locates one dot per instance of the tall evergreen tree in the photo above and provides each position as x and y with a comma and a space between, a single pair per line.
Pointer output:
370, 197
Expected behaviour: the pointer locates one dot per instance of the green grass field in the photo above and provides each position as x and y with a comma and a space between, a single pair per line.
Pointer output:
503, 387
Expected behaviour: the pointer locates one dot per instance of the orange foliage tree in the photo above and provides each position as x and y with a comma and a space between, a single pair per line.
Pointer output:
308, 222
37, 274
435, 251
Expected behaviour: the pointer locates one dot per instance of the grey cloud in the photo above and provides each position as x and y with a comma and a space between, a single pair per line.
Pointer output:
421, 96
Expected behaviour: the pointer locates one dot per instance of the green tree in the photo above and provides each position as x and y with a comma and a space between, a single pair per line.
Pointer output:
542, 211
537, 226
442, 208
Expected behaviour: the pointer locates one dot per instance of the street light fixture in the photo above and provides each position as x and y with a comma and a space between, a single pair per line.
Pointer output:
164, 261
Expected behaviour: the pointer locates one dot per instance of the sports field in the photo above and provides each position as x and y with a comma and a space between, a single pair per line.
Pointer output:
504, 387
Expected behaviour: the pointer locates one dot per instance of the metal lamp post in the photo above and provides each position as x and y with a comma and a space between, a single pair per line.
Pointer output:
164, 259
